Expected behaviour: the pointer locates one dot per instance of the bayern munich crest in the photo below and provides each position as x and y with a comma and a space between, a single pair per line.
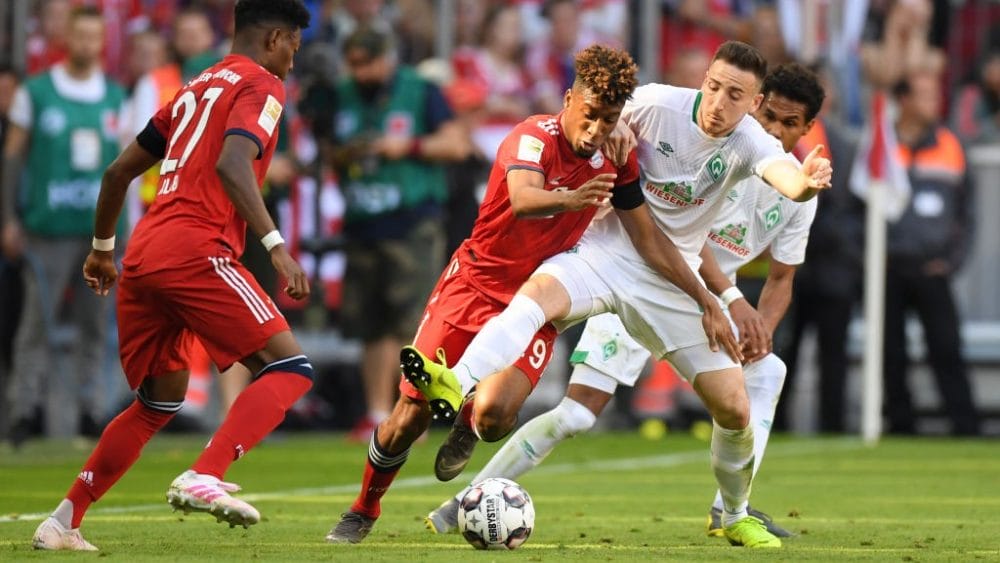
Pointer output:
597, 160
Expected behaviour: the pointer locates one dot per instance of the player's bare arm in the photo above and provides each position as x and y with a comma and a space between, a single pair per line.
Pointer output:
236, 172
99, 269
776, 294
661, 255
800, 184
529, 198
755, 339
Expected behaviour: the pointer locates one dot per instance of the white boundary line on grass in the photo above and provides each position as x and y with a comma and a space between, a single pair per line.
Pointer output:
784, 449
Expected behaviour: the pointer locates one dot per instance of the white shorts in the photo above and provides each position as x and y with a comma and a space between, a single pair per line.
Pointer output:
658, 315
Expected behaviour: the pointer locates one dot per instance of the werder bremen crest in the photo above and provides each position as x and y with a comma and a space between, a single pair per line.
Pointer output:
716, 166
772, 217
610, 349
734, 233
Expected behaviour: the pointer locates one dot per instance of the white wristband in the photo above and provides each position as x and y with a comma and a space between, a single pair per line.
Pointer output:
104, 244
730, 295
272, 239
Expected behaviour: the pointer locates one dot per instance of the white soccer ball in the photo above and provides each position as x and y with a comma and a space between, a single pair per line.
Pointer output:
496, 514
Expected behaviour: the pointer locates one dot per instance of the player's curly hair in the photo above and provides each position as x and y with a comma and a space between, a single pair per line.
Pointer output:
292, 13
609, 73
798, 84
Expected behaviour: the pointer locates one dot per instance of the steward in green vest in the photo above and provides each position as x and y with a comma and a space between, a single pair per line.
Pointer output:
391, 136
72, 141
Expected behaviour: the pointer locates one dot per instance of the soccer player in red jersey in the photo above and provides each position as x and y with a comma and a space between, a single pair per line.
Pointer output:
181, 276
548, 181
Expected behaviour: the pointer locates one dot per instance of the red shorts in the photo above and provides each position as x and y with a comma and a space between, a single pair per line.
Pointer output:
454, 314
215, 299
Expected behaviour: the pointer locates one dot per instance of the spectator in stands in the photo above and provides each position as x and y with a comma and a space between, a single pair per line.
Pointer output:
47, 46
828, 284
901, 37
392, 129
976, 115
63, 126
702, 24
926, 248
689, 68
497, 65
147, 50
550, 62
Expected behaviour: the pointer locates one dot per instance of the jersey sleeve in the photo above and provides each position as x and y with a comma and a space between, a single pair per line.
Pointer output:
153, 137
527, 147
628, 192
789, 247
256, 112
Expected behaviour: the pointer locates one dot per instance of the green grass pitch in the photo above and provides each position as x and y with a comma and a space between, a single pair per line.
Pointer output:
600, 497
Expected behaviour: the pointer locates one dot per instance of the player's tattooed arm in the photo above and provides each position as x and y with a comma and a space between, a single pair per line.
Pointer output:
529, 198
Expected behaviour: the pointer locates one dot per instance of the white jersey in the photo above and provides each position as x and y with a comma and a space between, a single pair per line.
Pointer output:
685, 173
755, 217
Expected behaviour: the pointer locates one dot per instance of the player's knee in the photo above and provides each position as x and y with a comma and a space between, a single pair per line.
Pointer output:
408, 420
732, 413
494, 420
163, 407
573, 418
298, 374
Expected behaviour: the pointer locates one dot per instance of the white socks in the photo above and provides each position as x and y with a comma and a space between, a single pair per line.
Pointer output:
64, 513
500, 343
535, 440
764, 380
732, 462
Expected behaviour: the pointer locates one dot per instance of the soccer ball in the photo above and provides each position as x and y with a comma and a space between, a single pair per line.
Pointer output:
496, 514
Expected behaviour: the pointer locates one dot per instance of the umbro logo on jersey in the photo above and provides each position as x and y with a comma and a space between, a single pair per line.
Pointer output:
665, 149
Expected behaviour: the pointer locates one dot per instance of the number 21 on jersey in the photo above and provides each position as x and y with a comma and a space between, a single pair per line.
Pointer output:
188, 104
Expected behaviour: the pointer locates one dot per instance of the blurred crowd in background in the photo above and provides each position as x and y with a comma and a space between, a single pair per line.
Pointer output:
374, 253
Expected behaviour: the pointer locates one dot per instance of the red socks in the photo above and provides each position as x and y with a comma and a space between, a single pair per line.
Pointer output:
258, 410
380, 471
116, 451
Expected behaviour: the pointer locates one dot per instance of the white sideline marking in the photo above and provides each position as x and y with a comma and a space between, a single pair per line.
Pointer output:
788, 449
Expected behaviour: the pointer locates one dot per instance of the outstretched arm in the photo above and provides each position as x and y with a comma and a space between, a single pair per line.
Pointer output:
800, 184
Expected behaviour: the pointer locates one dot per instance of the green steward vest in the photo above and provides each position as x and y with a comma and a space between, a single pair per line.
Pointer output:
382, 186
72, 143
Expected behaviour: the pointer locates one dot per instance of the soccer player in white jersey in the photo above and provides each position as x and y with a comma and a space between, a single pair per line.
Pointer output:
715, 145
755, 218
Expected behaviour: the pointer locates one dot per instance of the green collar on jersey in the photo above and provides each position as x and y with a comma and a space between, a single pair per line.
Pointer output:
694, 112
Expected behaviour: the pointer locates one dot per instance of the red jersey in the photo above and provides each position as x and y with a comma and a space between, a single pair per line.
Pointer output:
191, 216
503, 250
